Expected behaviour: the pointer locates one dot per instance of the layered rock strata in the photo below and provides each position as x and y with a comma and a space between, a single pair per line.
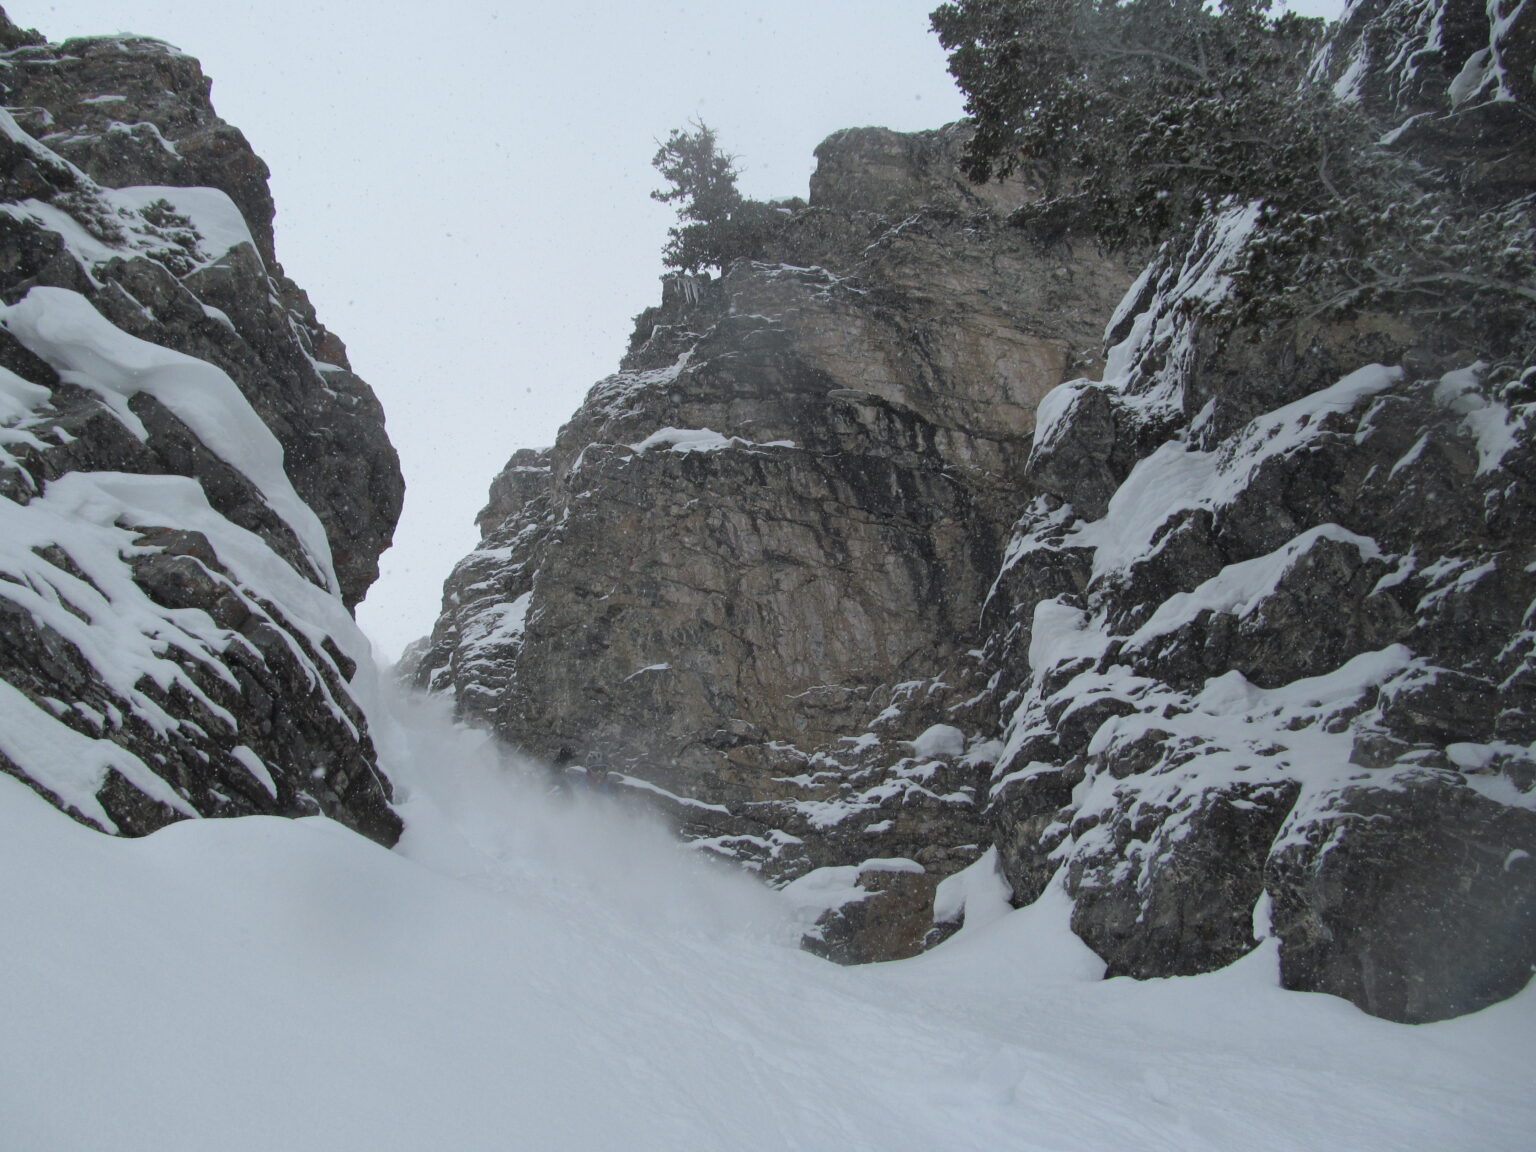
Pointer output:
196, 487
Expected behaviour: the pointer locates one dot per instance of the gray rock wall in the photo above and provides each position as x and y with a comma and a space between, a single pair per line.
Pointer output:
195, 486
1276, 682
135, 112
872, 559
788, 506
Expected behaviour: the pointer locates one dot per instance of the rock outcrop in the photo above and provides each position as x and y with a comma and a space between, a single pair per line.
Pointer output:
785, 512
1277, 682
196, 487
868, 562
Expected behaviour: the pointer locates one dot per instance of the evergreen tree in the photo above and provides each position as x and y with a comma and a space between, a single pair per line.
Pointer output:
717, 224
1136, 117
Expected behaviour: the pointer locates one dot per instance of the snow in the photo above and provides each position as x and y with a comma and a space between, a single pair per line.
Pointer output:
1347, 87
102, 613
86, 249
1176, 477
1053, 412
1410, 457
939, 740
535, 971
46, 157
905, 781
1497, 431
1484, 74
1289, 427
618, 395
119, 127
69, 764
1243, 587
88, 350
985, 752
220, 225
1163, 306
257, 767
820, 890
1229, 732
213, 216
526, 972
700, 440
1495, 428
978, 892
640, 785
1232, 696
19, 398
128, 216
1168, 320
1061, 632
1450, 575
806, 898
1168, 481
498, 625
19, 403
1132, 297
647, 668
129, 642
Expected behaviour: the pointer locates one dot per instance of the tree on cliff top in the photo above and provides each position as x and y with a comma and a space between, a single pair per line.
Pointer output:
717, 224
1136, 115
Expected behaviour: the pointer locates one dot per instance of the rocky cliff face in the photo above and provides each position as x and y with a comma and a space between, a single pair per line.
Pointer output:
1270, 672
784, 512
870, 571
196, 487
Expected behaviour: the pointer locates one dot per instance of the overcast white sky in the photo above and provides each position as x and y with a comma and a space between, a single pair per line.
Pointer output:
462, 188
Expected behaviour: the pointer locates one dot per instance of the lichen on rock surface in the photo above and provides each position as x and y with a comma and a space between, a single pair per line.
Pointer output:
196, 488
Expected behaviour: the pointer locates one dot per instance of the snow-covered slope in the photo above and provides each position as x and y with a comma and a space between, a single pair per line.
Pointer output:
528, 973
